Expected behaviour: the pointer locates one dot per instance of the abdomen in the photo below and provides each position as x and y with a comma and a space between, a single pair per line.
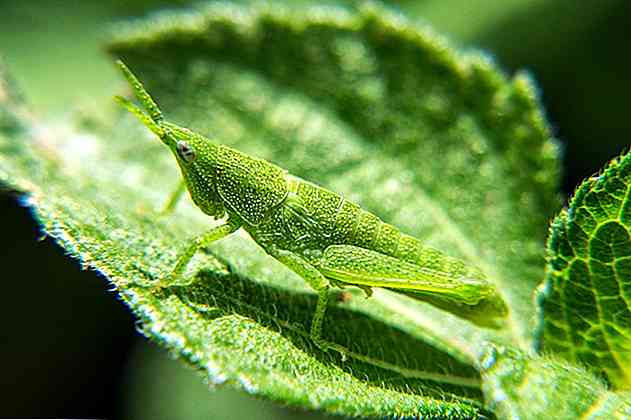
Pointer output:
343, 222
313, 218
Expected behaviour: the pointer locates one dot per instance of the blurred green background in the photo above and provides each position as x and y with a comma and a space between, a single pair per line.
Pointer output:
69, 347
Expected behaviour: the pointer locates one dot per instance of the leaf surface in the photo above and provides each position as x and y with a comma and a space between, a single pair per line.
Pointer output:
522, 386
586, 297
440, 144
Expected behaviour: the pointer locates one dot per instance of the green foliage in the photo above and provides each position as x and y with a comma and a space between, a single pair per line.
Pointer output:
586, 298
367, 104
164, 389
518, 385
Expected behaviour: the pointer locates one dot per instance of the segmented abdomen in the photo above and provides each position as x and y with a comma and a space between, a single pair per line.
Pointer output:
372, 233
344, 223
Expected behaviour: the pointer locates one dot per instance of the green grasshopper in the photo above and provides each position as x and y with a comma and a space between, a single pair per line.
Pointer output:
324, 238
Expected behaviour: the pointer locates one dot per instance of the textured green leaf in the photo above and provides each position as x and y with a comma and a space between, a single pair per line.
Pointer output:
361, 101
586, 296
522, 386
159, 388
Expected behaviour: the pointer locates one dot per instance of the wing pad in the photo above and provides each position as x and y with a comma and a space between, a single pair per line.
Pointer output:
364, 267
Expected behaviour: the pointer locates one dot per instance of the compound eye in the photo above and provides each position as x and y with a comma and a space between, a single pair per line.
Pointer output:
185, 151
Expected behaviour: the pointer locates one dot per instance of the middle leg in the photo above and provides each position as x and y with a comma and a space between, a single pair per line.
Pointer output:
316, 280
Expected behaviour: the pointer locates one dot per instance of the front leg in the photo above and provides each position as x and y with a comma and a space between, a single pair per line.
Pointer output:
316, 280
201, 241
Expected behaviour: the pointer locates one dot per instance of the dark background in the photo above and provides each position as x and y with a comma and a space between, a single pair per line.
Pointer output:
69, 348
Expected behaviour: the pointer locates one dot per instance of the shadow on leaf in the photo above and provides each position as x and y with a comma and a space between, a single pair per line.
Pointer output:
213, 295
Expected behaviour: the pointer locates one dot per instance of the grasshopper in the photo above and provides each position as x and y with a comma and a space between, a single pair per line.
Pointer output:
325, 239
